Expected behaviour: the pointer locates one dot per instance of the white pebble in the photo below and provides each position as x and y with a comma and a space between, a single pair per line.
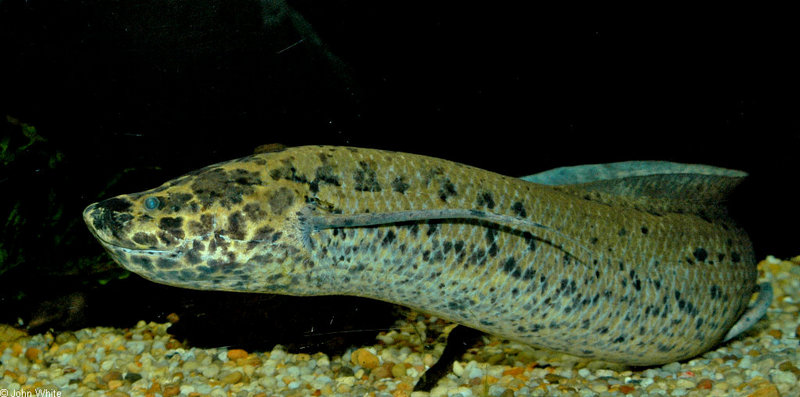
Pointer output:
779, 376
604, 373
458, 369
210, 371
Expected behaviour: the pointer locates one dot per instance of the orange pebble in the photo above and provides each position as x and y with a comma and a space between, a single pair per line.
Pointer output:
235, 354
32, 353
704, 384
170, 391
513, 371
626, 389
364, 358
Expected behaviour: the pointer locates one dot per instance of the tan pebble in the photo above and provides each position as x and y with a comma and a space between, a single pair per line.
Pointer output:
147, 335
776, 333
32, 353
766, 391
400, 393
754, 353
399, 370
173, 344
172, 390
154, 388
113, 384
112, 375
428, 359
685, 383
553, 378
495, 358
302, 356
364, 358
384, 371
599, 387
789, 367
232, 378
173, 318
11, 374
22, 379
236, 354
9, 333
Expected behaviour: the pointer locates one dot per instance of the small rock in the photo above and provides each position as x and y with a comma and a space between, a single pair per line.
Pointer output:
364, 358
766, 391
32, 353
704, 384
236, 354
232, 378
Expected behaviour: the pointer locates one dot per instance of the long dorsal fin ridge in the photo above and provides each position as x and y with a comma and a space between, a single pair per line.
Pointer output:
655, 186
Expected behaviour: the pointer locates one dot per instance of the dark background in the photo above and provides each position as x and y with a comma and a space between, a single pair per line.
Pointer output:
128, 94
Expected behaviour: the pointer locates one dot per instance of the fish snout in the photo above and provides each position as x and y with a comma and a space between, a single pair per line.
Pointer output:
108, 218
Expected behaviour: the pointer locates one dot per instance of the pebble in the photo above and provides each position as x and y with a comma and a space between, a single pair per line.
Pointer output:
146, 360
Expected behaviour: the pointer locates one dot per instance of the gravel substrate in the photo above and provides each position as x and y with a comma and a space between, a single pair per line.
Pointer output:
145, 360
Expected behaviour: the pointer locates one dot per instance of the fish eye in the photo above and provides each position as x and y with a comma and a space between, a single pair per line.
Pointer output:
151, 203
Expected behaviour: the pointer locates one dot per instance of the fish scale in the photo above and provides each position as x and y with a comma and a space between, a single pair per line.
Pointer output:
592, 269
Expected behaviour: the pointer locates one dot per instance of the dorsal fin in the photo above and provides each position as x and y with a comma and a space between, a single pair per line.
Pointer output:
652, 186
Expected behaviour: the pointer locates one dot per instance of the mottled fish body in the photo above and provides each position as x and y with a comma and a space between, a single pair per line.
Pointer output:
635, 263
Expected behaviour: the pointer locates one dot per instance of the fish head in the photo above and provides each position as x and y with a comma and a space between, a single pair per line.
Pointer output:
228, 226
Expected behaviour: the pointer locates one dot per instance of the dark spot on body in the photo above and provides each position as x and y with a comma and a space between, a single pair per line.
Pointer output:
644, 230
447, 246
366, 179
493, 249
237, 226
114, 204
176, 201
166, 263
622, 232
400, 185
325, 175
519, 210
280, 200
193, 255
217, 186
510, 266
388, 239
530, 239
735, 258
447, 190
172, 226
700, 254
142, 261
254, 211
145, 239
202, 227
485, 199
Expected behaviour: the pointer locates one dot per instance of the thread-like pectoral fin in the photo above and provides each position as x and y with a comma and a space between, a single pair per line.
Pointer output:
753, 313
